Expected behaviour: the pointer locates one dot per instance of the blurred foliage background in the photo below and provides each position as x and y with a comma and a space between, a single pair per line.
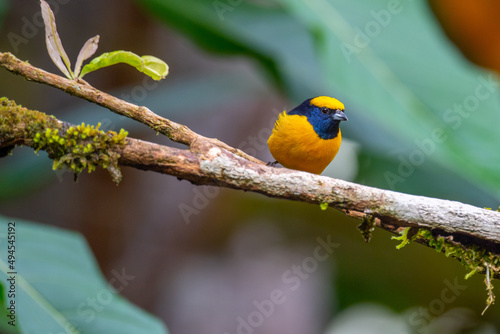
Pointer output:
423, 119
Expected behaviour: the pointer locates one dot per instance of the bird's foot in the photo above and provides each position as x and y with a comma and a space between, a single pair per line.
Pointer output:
272, 164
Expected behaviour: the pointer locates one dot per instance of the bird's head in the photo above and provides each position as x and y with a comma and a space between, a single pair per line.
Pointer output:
324, 113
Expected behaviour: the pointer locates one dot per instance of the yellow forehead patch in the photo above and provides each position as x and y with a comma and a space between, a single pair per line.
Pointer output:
329, 102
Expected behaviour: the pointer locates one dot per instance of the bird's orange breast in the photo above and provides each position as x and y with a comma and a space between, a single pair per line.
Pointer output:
296, 145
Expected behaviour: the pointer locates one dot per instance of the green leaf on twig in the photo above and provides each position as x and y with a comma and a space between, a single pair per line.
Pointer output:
149, 65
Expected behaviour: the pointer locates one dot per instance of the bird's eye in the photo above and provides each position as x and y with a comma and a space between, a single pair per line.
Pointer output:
324, 110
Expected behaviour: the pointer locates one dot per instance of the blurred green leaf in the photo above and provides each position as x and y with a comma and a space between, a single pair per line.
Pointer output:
244, 29
372, 165
398, 75
149, 65
407, 80
59, 287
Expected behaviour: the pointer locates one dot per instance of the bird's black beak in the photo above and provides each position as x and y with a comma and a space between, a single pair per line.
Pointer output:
340, 116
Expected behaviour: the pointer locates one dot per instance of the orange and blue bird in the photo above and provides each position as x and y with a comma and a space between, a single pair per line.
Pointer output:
308, 137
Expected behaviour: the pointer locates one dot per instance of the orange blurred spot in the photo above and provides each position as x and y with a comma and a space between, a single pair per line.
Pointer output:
474, 26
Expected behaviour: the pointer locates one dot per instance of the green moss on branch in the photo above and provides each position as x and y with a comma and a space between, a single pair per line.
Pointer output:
472, 257
76, 147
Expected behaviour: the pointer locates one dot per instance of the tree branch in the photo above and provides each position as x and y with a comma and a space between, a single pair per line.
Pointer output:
468, 233
176, 132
